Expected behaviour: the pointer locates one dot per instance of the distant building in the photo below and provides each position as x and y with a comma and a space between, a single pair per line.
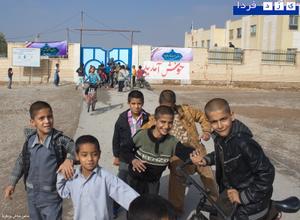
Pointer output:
251, 32
205, 38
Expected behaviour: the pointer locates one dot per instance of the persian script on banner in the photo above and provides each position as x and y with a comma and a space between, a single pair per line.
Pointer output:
167, 70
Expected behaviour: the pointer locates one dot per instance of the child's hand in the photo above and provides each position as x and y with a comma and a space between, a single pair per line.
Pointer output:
205, 136
116, 161
197, 159
233, 196
8, 191
138, 165
66, 168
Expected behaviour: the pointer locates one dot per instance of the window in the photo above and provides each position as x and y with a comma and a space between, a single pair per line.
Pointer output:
253, 30
231, 34
239, 32
293, 22
208, 43
202, 43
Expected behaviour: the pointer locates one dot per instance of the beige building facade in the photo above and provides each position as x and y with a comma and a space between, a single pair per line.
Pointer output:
252, 32
205, 38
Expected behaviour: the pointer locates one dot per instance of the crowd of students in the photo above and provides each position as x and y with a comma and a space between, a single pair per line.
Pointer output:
111, 75
144, 146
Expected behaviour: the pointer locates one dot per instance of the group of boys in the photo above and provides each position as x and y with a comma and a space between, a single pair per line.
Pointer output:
143, 146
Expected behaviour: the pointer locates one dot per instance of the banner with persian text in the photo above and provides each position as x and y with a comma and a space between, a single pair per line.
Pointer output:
167, 70
50, 49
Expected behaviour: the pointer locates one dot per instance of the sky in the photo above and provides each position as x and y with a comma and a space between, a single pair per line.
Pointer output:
161, 22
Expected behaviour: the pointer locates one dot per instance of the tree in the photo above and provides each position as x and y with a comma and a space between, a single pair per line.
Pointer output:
3, 45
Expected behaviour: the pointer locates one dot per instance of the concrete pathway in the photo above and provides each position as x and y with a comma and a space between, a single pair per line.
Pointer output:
100, 123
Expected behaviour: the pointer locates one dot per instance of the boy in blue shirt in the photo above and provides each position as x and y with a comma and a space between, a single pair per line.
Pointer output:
45, 151
91, 185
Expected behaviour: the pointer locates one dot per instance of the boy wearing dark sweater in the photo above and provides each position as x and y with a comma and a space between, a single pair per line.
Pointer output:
150, 151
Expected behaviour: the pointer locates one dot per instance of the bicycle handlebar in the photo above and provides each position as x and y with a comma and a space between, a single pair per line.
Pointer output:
203, 191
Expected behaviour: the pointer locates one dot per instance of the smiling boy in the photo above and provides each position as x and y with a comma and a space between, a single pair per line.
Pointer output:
244, 173
91, 185
151, 150
45, 151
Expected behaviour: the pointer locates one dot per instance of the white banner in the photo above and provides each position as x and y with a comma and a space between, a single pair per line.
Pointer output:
29, 57
167, 70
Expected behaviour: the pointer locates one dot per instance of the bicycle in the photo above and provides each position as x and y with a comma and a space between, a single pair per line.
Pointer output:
207, 204
91, 97
142, 82
127, 84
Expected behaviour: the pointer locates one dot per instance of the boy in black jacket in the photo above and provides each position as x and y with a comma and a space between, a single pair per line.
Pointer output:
126, 126
244, 173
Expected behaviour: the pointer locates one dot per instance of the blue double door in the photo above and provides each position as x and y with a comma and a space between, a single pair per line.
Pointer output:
96, 56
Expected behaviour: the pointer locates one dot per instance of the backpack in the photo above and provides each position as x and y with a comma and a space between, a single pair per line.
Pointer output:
59, 150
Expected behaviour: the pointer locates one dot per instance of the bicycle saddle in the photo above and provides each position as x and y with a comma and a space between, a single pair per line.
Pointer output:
289, 205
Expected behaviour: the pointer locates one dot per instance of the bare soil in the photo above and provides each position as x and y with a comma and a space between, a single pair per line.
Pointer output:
14, 117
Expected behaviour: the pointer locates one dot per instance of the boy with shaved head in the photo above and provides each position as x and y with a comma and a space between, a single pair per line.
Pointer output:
244, 173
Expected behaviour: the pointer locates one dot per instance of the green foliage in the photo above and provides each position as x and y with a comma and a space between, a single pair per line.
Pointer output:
3, 45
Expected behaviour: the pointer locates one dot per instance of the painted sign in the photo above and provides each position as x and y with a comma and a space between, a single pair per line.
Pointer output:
171, 54
50, 49
167, 70
29, 57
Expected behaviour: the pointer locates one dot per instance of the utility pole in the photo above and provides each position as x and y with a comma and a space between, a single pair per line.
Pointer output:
67, 35
81, 28
37, 38
131, 39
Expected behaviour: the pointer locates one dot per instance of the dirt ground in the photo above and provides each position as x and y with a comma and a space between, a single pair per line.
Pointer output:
272, 115
14, 117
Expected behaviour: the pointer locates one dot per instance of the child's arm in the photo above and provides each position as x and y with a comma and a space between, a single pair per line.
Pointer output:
121, 192
210, 159
116, 144
129, 156
200, 117
15, 176
262, 170
67, 166
63, 186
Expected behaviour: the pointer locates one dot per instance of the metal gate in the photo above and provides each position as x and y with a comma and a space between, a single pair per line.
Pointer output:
96, 56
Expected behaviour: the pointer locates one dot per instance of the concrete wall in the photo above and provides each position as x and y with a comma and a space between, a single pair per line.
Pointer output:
201, 71
45, 72
251, 71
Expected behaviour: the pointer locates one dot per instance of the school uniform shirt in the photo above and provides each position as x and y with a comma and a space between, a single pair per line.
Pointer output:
90, 196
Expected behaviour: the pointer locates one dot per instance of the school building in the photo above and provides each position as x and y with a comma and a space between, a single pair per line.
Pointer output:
268, 32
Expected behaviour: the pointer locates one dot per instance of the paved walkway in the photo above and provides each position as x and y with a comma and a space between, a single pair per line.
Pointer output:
100, 123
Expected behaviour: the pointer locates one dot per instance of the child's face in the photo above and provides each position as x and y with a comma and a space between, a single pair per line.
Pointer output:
88, 157
221, 122
135, 106
164, 124
43, 121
